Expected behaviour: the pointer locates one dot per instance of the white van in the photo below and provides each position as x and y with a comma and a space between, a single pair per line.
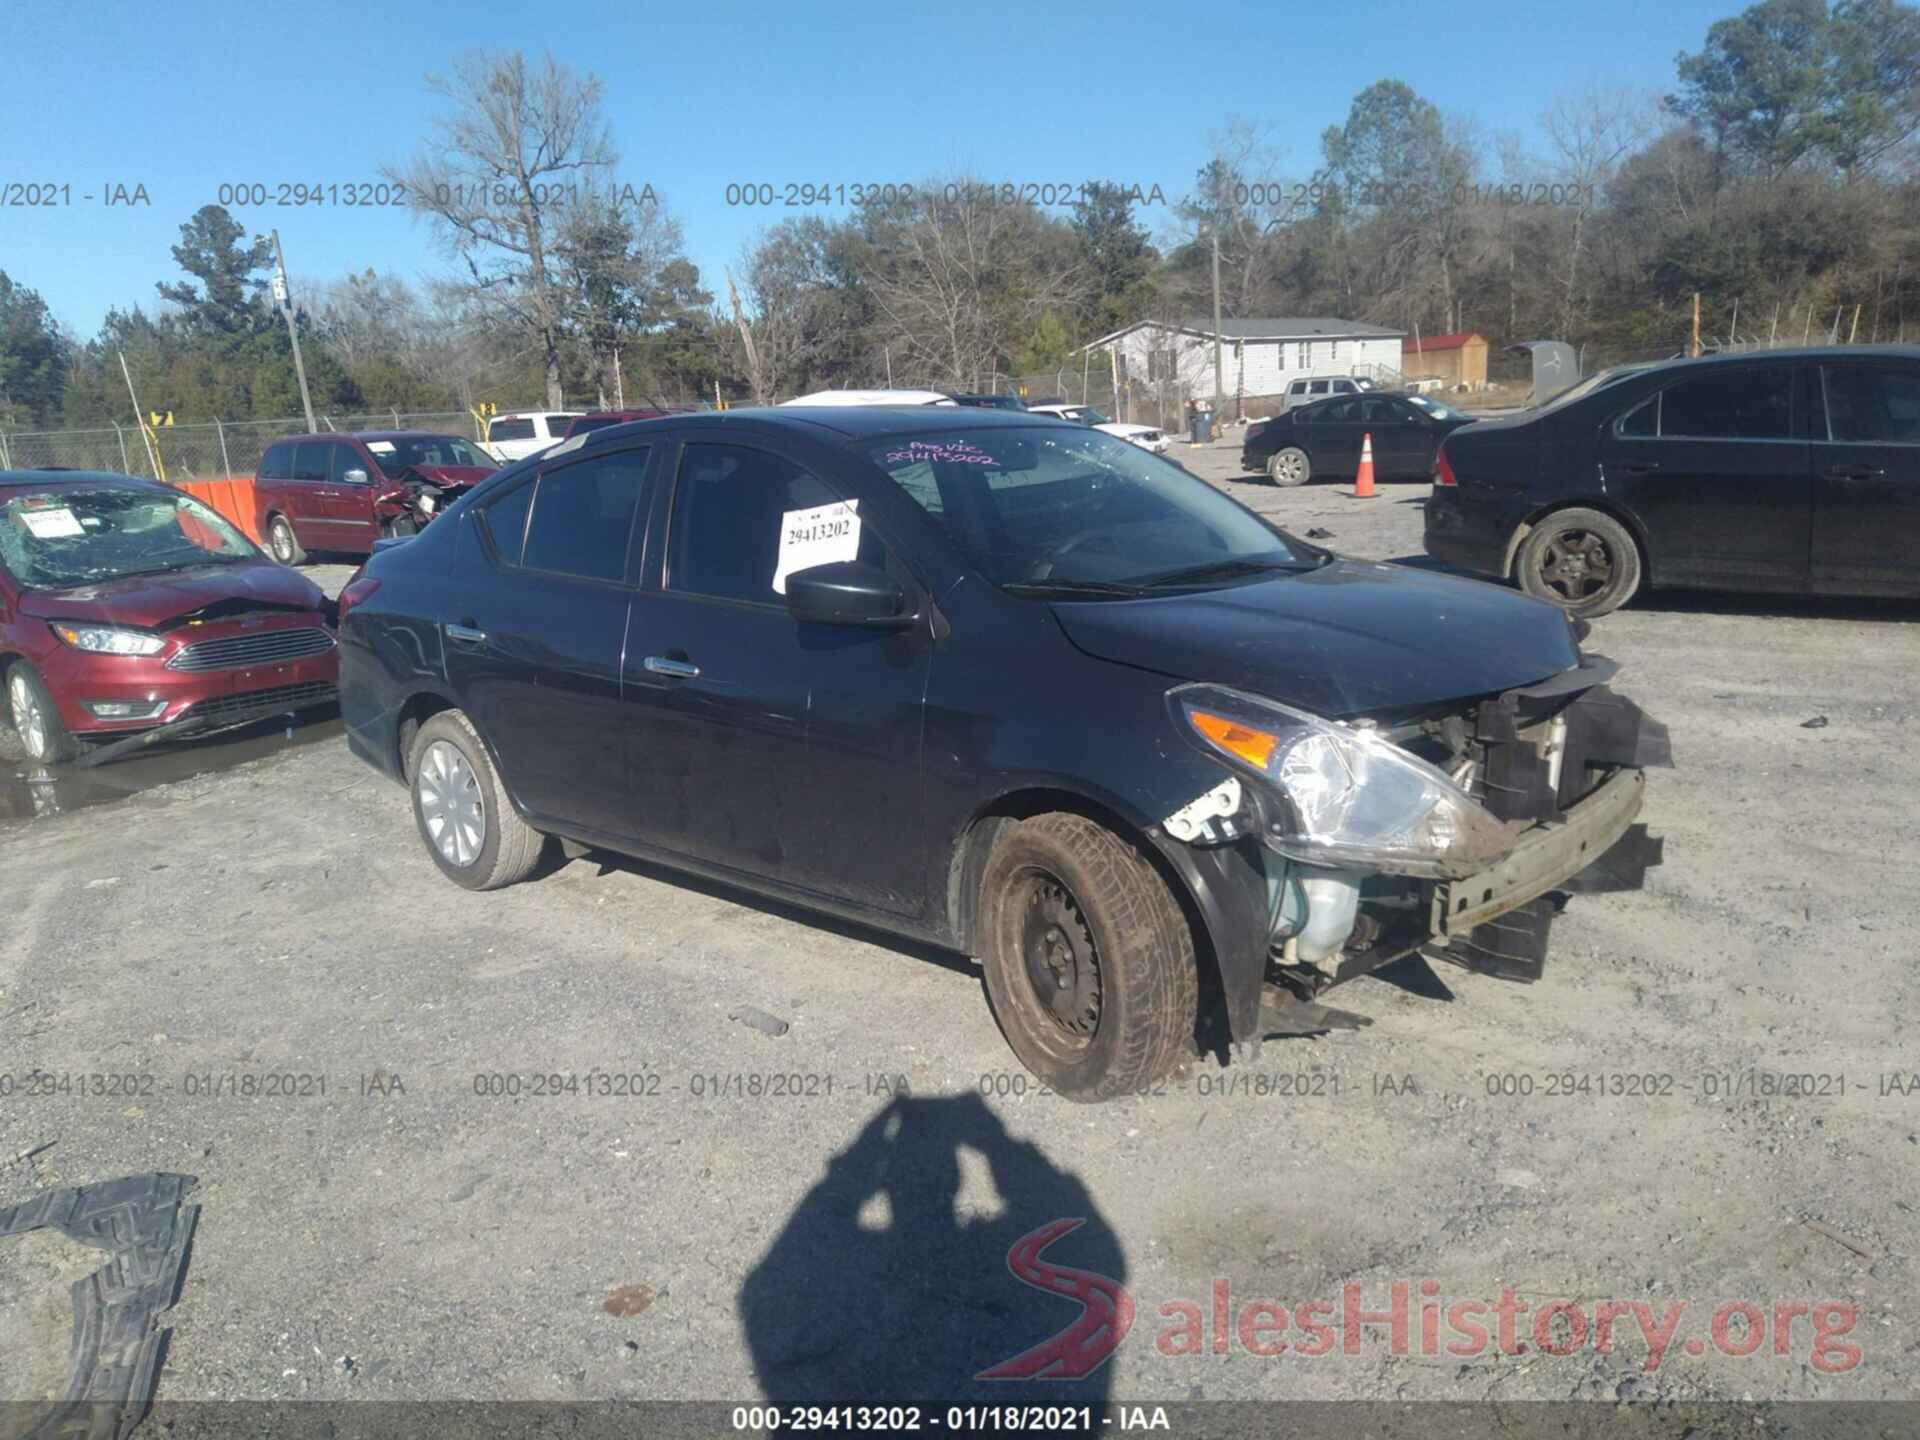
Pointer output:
526, 432
1322, 387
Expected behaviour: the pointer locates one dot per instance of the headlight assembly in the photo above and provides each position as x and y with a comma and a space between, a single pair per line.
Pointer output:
1347, 796
108, 639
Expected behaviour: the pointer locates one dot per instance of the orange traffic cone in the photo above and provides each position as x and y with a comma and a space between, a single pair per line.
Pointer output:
1363, 482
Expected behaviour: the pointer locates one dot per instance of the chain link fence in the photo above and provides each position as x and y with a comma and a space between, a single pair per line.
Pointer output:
213, 451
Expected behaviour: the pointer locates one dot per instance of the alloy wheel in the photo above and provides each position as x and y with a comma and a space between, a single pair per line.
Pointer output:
450, 804
1576, 565
28, 722
1289, 467
282, 544
1062, 962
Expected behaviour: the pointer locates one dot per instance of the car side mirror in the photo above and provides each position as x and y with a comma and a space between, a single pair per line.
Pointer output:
849, 592
355, 476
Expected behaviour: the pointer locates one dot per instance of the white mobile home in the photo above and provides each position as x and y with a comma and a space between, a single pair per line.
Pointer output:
1258, 357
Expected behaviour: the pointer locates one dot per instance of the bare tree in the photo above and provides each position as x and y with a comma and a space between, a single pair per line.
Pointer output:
1591, 134
521, 144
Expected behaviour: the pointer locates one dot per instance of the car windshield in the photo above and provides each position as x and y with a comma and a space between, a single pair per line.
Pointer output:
52, 539
396, 457
1049, 510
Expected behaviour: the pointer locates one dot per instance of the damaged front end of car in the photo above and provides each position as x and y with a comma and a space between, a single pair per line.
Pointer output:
1456, 831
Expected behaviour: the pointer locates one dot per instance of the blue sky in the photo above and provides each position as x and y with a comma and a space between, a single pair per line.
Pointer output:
186, 98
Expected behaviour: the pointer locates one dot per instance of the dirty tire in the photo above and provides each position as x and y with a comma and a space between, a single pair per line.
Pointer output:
509, 848
36, 720
1289, 467
1582, 560
1114, 908
283, 544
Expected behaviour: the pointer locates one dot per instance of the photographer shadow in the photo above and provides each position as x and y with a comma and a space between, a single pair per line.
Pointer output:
891, 1280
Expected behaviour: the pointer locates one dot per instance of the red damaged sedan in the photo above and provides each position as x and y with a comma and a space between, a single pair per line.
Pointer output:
130, 612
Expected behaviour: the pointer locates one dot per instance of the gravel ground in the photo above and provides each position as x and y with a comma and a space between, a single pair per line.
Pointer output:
263, 908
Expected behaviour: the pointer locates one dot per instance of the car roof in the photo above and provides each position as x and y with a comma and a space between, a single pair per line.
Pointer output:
534, 414
838, 398
846, 422
1797, 352
46, 479
364, 435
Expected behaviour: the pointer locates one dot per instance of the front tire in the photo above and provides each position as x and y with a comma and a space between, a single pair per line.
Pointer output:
1584, 561
471, 829
1089, 959
36, 719
1289, 467
283, 543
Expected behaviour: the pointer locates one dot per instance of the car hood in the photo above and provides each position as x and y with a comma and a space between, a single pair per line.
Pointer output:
1351, 638
455, 474
1127, 432
155, 599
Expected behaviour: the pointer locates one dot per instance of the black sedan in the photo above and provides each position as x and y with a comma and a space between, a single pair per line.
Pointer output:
1323, 440
1013, 687
1780, 470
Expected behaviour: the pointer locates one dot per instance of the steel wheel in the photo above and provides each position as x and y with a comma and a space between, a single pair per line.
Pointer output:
1062, 963
29, 721
1576, 565
451, 807
1290, 467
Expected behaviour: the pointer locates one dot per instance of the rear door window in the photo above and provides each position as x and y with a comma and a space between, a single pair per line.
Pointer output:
1319, 387
1738, 403
1867, 405
582, 521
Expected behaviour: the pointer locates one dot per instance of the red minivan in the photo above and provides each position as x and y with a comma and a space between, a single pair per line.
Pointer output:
343, 492
130, 609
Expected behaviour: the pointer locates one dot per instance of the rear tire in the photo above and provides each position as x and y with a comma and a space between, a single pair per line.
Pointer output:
1582, 560
36, 719
283, 544
1289, 467
1089, 959
471, 829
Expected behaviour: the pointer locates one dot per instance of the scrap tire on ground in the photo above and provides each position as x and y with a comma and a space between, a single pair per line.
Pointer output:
56, 744
1593, 538
1059, 888
507, 849
283, 544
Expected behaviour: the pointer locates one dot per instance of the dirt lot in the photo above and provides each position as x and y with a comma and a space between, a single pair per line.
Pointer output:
1619, 1131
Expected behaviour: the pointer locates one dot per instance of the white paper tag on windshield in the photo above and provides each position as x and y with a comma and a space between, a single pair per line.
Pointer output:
51, 524
380, 447
823, 535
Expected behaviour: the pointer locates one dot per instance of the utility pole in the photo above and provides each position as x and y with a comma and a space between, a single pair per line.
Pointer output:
153, 457
293, 332
1694, 348
1219, 371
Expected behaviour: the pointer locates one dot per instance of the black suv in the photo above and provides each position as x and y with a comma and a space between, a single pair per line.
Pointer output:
1778, 470
1013, 687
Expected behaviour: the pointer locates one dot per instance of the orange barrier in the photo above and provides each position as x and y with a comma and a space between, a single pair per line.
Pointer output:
234, 497
1363, 482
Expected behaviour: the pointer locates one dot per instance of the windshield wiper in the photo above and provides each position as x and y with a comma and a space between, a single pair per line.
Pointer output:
1108, 588
1219, 570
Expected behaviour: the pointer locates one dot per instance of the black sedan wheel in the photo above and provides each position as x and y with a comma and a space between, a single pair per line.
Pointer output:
1089, 961
471, 829
1584, 561
1290, 466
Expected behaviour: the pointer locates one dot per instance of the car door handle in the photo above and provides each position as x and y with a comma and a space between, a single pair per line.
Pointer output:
466, 635
1855, 472
668, 665
1639, 467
